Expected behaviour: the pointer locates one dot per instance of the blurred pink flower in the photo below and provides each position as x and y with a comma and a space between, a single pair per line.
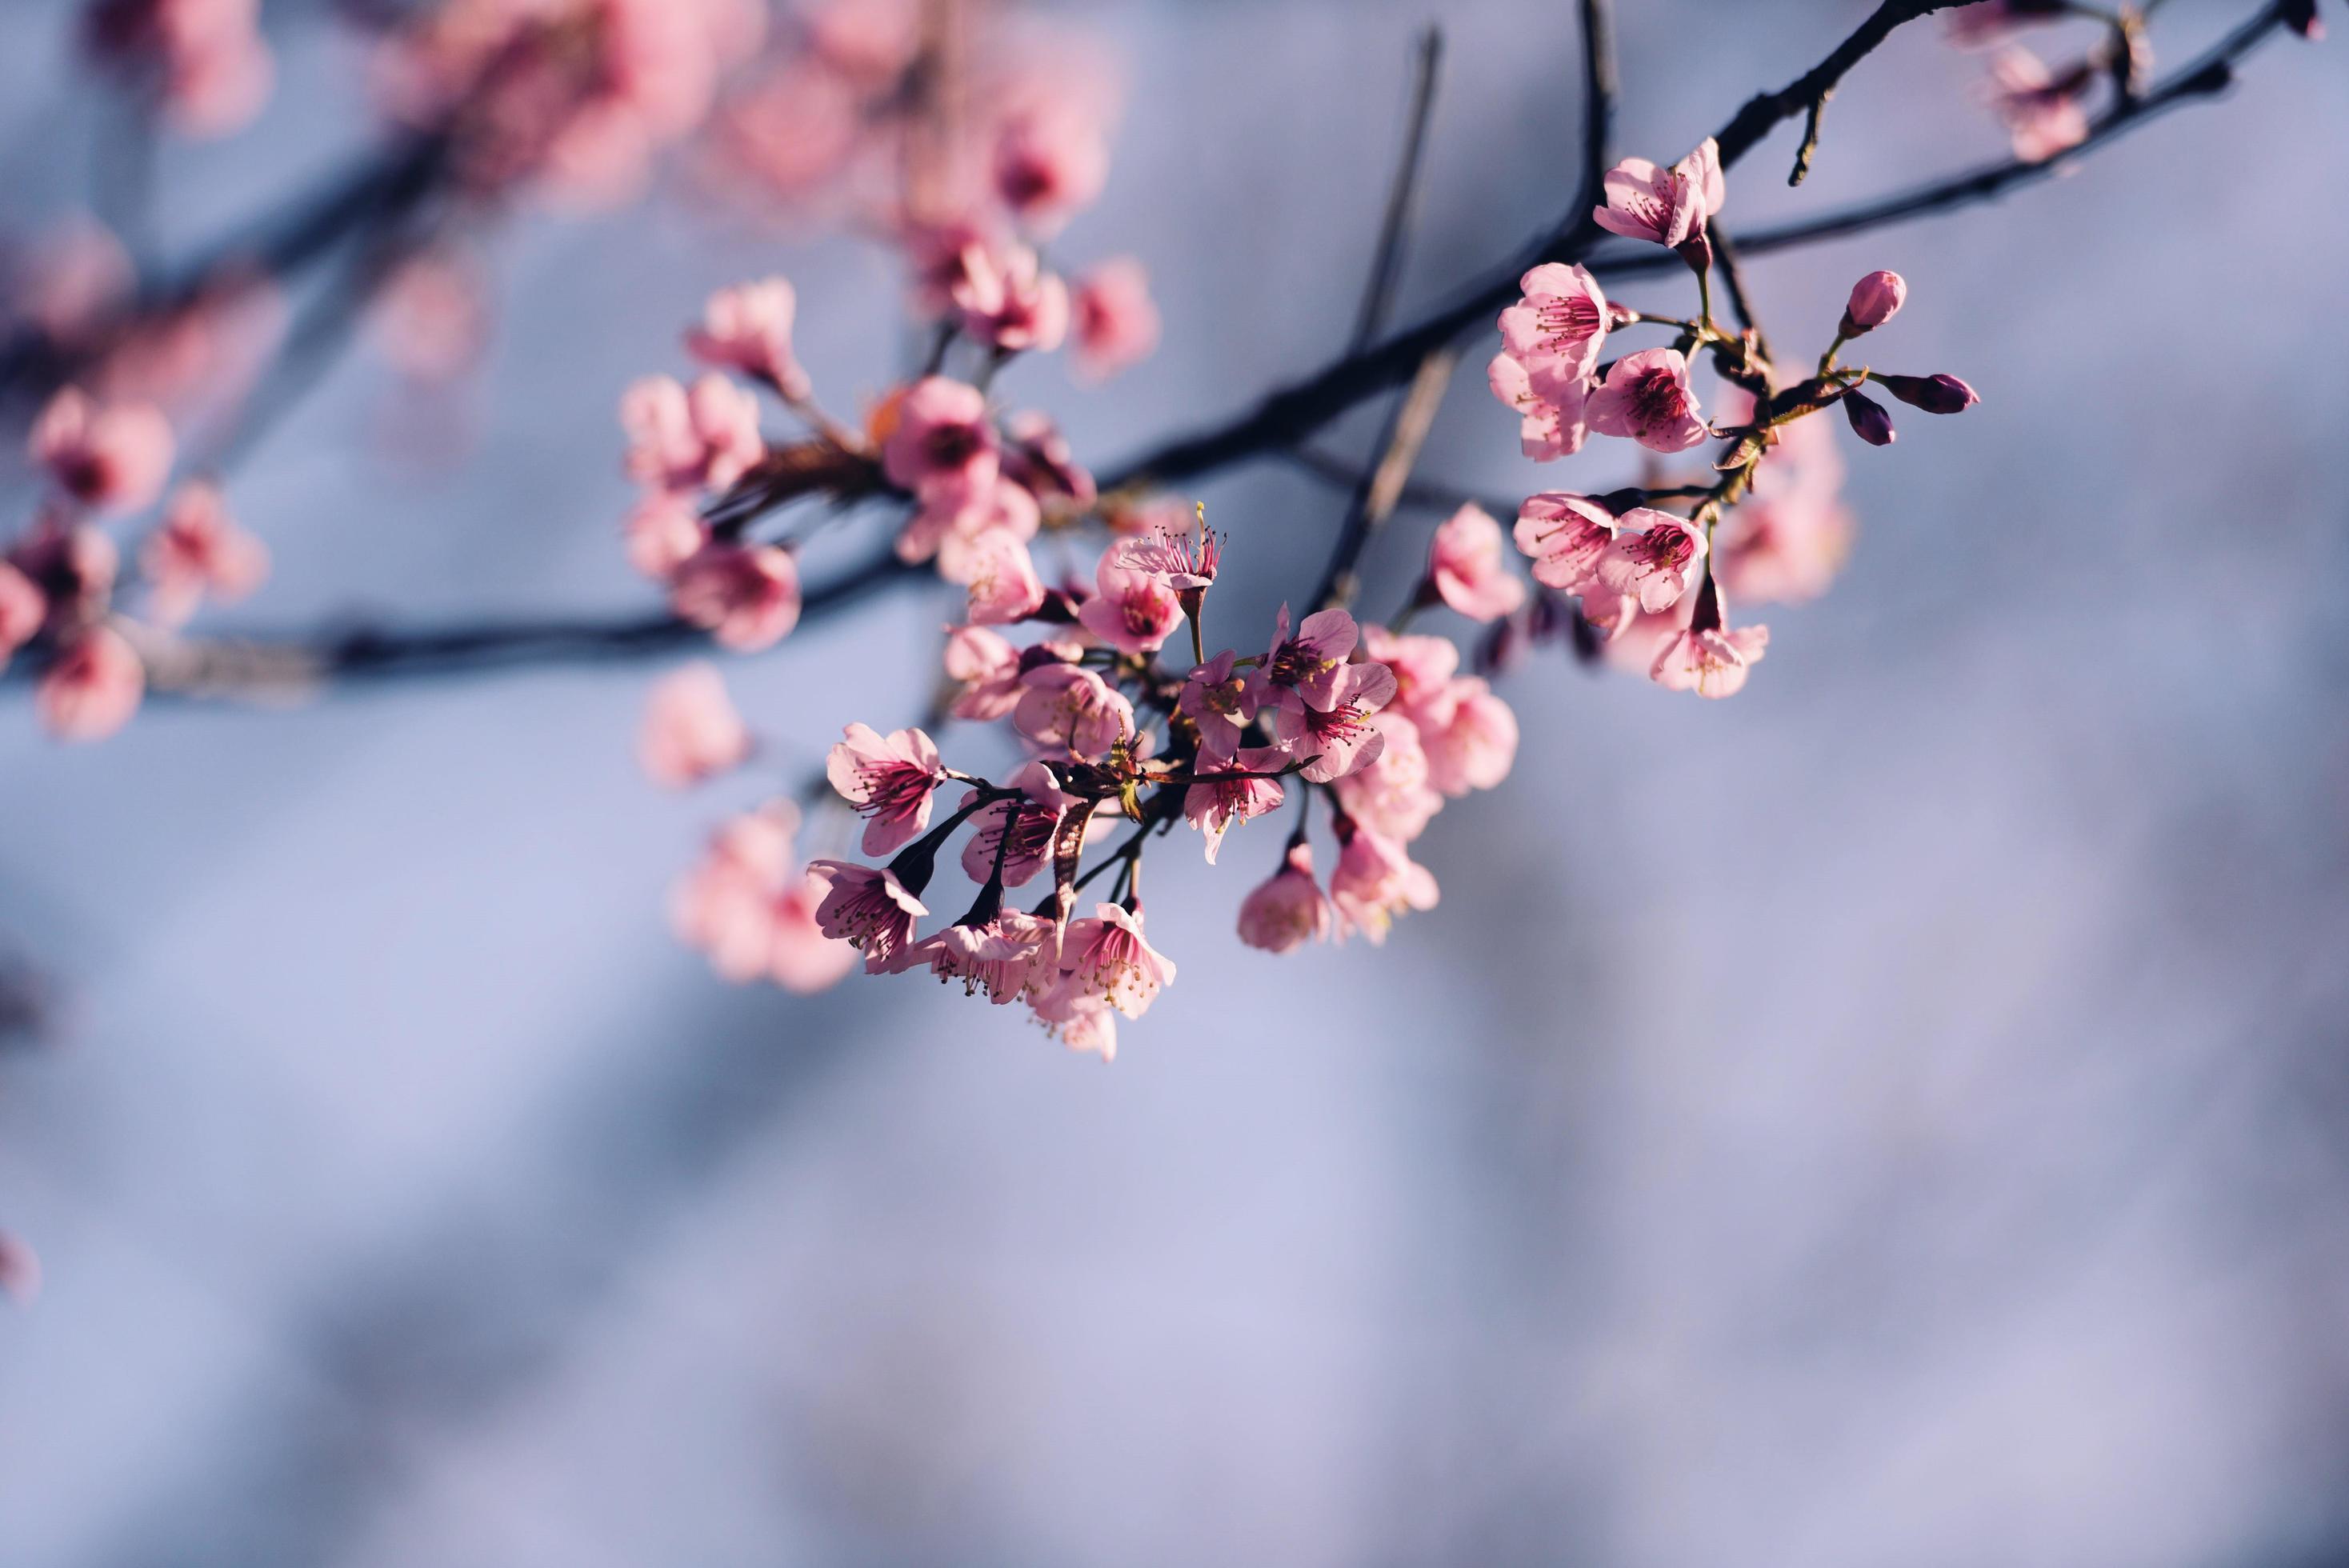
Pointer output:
1376, 881
1049, 162
663, 533
1009, 302
1074, 708
107, 457
748, 327
987, 667
92, 687
746, 596
1469, 567
198, 550
1117, 323
2044, 114
691, 731
943, 448
1287, 910
706, 438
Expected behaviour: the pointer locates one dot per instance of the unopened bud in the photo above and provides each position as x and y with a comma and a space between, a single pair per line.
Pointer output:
1875, 300
1934, 394
1870, 420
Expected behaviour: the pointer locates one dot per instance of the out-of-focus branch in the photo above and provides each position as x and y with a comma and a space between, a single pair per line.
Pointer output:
1423, 495
1394, 228
1381, 487
1598, 94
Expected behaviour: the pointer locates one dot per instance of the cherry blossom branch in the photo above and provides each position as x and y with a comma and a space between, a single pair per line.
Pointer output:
1394, 228
1808, 93
1600, 91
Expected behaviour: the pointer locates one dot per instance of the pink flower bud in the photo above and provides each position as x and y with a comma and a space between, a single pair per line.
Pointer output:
1934, 394
1875, 299
1870, 421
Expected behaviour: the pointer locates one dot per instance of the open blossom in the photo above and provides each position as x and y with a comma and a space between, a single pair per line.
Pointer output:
952, 533
1665, 206
1313, 661
1222, 701
869, 908
1004, 957
1468, 564
1131, 610
92, 688
1047, 164
890, 781
1288, 908
691, 731
1074, 708
1553, 412
1565, 536
1216, 806
1027, 824
1389, 791
2044, 114
680, 440
1375, 881
1423, 666
662, 533
1038, 458
1653, 558
1000, 576
108, 457
802, 960
1106, 960
1648, 398
1334, 741
748, 329
1010, 302
1710, 664
943, 448
746, 596
197, 550
1470, 736
1116, 321
987, 667
1559, 326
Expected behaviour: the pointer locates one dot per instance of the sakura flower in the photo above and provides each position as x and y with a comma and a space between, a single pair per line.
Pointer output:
1038, 458
1468, 566
23, 608
1047, 164
952, 534
1009, 302
92, 688
748, 329
680, 440
1423, 666
1875, 299
1559, 326
663, 533
1090, 1028
199, 549
871, 42
1312, 662
802, 959
1470, 738
1553, 412
2044, 114
72, 566
1029, 823
1567, 536
889, 780
1074, 708
1652, 558
1185, 559
1001, 957
869, 908
1667, 207
1222, 701
1710, 664
1000, 576
942, 448
1375, 881
1117, 322
110, 458
1339, 738
691, 731
1106, 960
987, 667
725, 906
1783, 549
1131, 610
1992, 21
1647, 398
1389, 791
1216, 806
20, 1269
1287, 910
746, 596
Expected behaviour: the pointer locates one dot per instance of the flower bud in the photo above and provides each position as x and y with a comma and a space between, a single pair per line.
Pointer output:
1874, 301
1934, 394
1870, 421
2301, 16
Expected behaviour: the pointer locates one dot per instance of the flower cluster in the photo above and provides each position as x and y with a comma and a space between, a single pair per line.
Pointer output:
203, 63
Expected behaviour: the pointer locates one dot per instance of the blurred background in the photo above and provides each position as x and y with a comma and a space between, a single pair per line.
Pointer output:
1930, 1147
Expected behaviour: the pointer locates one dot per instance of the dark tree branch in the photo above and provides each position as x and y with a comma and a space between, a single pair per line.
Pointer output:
1394, 228
1375, 499
1598, 94
1808, 93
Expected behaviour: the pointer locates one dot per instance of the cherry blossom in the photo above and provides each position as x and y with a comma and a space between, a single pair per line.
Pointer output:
870, 909
1653, 559
1288, 908
92, 688
1468, 566
1553, 413
110, 458
1875, 300
1029, 821
1375, 881
2043, 113
691, 731
1005, 957
680, 440
1559, 326
1647, 398
1009, 302
748, 329
662, 533
1216, 806
1666, 207
890, 781
1073, 708
1313, 663
987, 667
1565, 536
1222, 700
1132, 610
1106, 959
746, 596
199, 550
1334, 740
1047, 164
1711, 664
1116, 324
943, 448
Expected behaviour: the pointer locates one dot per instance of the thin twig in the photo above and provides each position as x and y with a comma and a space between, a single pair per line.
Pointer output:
1600, 91
1805, 94
1394, 228
1423, 495
1381, 487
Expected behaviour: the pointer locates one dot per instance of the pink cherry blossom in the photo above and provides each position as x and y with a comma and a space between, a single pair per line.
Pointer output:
890, 781
1647, 398
1049, 163
74, 566
1312, 662
1287, 910
662, 533
2044, 114
1222, 701
1009, 302
691, 731
748, 329
197, 550
1131, 610
1117, 322
23, 608
20, 1269
1782, 548
805, 961
1038, 458
1710, 664
1106, 959
1376, 881
1653, 559
1468, 564
1389, 791
1214, 806
1875, 300
1000, 575
432, 317
1665, 206
1565, 536
1030, 823
725, 906
1423, 666
871, 42
746, 596
1470, 736
92, 688
987, 667
1994, 21
1002, 957
1559, 326
1074, 708
1339, 738
1553, 412
869, 908
942, 448
1091, 1029
110, 458
951, 533
680, 440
